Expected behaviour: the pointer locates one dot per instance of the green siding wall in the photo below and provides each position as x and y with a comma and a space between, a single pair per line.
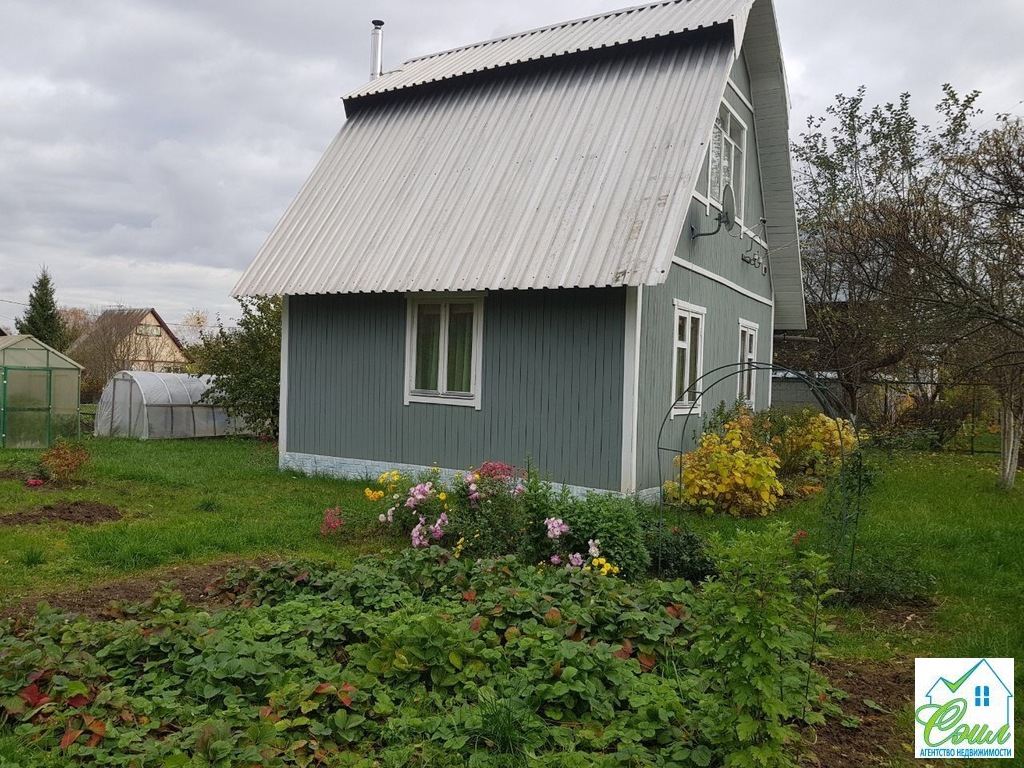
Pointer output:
720, 254
721, 347
551, 385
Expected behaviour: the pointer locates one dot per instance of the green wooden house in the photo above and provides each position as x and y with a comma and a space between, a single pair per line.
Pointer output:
513, 249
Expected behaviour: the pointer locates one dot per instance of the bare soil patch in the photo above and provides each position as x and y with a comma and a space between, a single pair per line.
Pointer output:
876, 692
196, 583
13, 474
77, 512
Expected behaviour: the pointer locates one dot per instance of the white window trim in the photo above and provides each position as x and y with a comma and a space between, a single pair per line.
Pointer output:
740, 193
413, 395
683, 307
752, 329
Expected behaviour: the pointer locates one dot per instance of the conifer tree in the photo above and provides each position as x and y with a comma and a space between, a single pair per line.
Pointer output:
42, 318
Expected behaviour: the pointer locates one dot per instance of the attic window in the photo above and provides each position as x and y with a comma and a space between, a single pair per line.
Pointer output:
444, 336
148, 330
724, 161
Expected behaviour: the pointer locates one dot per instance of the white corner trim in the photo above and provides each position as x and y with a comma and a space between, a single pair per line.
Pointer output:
721, 280
282, 415
631, 386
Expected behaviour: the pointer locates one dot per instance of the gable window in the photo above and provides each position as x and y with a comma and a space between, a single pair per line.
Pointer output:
981, 697
444, 336
687, 356
724, 161
745, 389
148, 330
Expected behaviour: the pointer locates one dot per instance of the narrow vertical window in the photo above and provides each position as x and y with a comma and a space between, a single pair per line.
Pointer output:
688, 356
443, 355
747, 381
981, 697
725, 158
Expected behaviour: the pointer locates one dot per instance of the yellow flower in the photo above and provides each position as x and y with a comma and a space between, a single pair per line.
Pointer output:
442, 496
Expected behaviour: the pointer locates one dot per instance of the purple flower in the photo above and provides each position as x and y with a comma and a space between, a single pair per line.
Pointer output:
556, 560
519, 489
576, 560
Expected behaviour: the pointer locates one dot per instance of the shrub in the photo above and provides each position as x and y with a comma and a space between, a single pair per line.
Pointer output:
759, 622
735, 473
812, 444
886, 577
676, 553
63, 461
614, 524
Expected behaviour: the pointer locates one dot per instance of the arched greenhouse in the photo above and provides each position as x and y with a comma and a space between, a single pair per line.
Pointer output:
160, 406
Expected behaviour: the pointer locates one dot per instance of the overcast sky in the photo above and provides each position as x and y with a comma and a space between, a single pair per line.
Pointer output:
147, 147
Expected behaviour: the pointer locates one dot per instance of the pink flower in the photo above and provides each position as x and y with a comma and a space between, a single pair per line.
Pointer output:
576, 560
556, 527
519, 489
556, 560
332, 521
35, 482
419, 538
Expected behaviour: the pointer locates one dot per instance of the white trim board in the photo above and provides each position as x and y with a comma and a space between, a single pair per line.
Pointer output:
722, 281
282, 405
631, 387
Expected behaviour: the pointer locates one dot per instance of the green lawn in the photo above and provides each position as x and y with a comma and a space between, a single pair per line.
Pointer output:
193, 501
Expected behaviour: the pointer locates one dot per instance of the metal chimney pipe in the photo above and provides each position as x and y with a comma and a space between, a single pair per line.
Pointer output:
376, 49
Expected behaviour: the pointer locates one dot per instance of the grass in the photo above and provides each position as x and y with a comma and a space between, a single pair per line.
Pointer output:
182, 501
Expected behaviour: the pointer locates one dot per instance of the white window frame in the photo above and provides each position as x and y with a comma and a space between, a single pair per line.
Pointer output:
747, 330
685, 309
412, 395
723, 133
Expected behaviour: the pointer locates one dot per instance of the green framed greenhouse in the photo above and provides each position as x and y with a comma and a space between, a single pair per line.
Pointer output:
39, 394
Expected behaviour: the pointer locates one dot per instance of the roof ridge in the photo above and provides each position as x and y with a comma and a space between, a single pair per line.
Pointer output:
548, 28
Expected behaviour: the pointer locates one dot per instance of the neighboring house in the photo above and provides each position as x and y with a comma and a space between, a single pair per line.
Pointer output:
138, 339
494, 259
986, 697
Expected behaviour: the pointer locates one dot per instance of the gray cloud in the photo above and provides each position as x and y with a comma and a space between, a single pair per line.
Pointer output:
148, 147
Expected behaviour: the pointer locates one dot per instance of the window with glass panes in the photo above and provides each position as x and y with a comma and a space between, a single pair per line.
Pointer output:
688, 354
724, 162
443, 354
748, 355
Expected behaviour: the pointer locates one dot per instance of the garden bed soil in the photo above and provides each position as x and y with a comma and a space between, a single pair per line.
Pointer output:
875, 741
77, 512
13, 474
101, 601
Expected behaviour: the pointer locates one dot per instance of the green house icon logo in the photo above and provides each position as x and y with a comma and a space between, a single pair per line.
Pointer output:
965, 714
988, 698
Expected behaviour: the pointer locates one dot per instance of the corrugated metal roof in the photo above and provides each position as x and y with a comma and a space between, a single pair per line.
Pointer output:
575, 175
606, 30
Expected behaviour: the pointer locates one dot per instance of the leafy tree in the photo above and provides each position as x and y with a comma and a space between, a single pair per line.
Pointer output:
42, 319
246, 363
916, 233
